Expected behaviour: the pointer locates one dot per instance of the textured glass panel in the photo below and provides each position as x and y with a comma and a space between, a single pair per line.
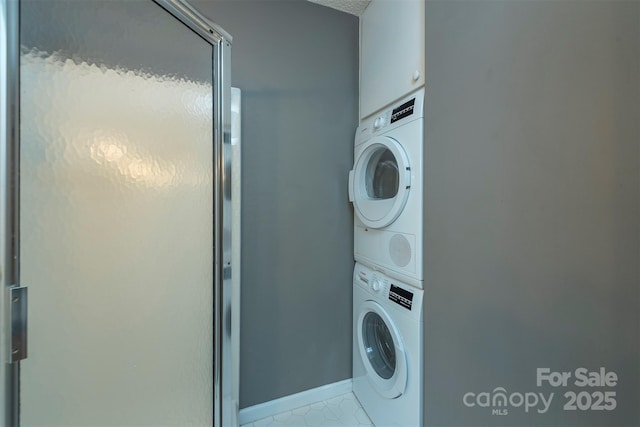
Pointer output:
116, 218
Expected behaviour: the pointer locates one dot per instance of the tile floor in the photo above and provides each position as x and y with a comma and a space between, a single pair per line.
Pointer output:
344, 410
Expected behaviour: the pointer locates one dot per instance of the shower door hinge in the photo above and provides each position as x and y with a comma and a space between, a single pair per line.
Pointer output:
17, 314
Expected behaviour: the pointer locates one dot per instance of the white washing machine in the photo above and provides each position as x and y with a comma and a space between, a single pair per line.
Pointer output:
385, 187
387, 348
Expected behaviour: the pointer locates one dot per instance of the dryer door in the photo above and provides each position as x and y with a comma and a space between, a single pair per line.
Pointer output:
381, 350
380, 182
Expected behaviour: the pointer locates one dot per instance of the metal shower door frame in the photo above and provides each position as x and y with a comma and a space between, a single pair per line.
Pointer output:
220, 41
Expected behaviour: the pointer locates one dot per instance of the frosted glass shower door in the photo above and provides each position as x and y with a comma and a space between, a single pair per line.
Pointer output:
117, 215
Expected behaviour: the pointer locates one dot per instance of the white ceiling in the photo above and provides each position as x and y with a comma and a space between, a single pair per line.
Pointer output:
354, 7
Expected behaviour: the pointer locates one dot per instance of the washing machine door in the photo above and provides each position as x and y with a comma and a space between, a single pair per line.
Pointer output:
380, 182
381, 350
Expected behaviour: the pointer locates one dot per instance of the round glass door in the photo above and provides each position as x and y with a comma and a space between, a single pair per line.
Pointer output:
381, 182
381, 351
378, 345
382, 175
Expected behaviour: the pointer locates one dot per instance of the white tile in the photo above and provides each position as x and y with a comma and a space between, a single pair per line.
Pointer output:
318, 405
282, 416
321, 418
362, 416
315, 418
349, 420
294, 421
329, 414
301, 411
264, 422
335, 400
344, 410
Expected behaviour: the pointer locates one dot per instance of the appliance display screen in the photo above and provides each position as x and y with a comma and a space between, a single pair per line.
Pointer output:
401, 296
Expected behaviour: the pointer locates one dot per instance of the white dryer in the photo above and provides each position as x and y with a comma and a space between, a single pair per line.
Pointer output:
387, 348
385, 187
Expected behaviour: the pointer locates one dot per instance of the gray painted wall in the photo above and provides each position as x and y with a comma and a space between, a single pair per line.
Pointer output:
297, 66
532, 205
98, 18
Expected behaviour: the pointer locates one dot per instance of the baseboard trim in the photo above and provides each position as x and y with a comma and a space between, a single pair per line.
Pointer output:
293, 401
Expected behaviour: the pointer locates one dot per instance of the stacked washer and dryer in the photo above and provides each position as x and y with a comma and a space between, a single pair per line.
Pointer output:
385, 187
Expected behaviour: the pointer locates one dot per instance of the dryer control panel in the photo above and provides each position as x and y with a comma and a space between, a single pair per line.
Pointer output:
381, 121
405, 110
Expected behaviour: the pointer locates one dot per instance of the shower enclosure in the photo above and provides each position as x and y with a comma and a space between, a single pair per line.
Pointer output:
115, 214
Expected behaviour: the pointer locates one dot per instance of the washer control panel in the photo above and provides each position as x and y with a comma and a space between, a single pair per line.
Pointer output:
384, 287
401, 296
373, 281
381, 121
